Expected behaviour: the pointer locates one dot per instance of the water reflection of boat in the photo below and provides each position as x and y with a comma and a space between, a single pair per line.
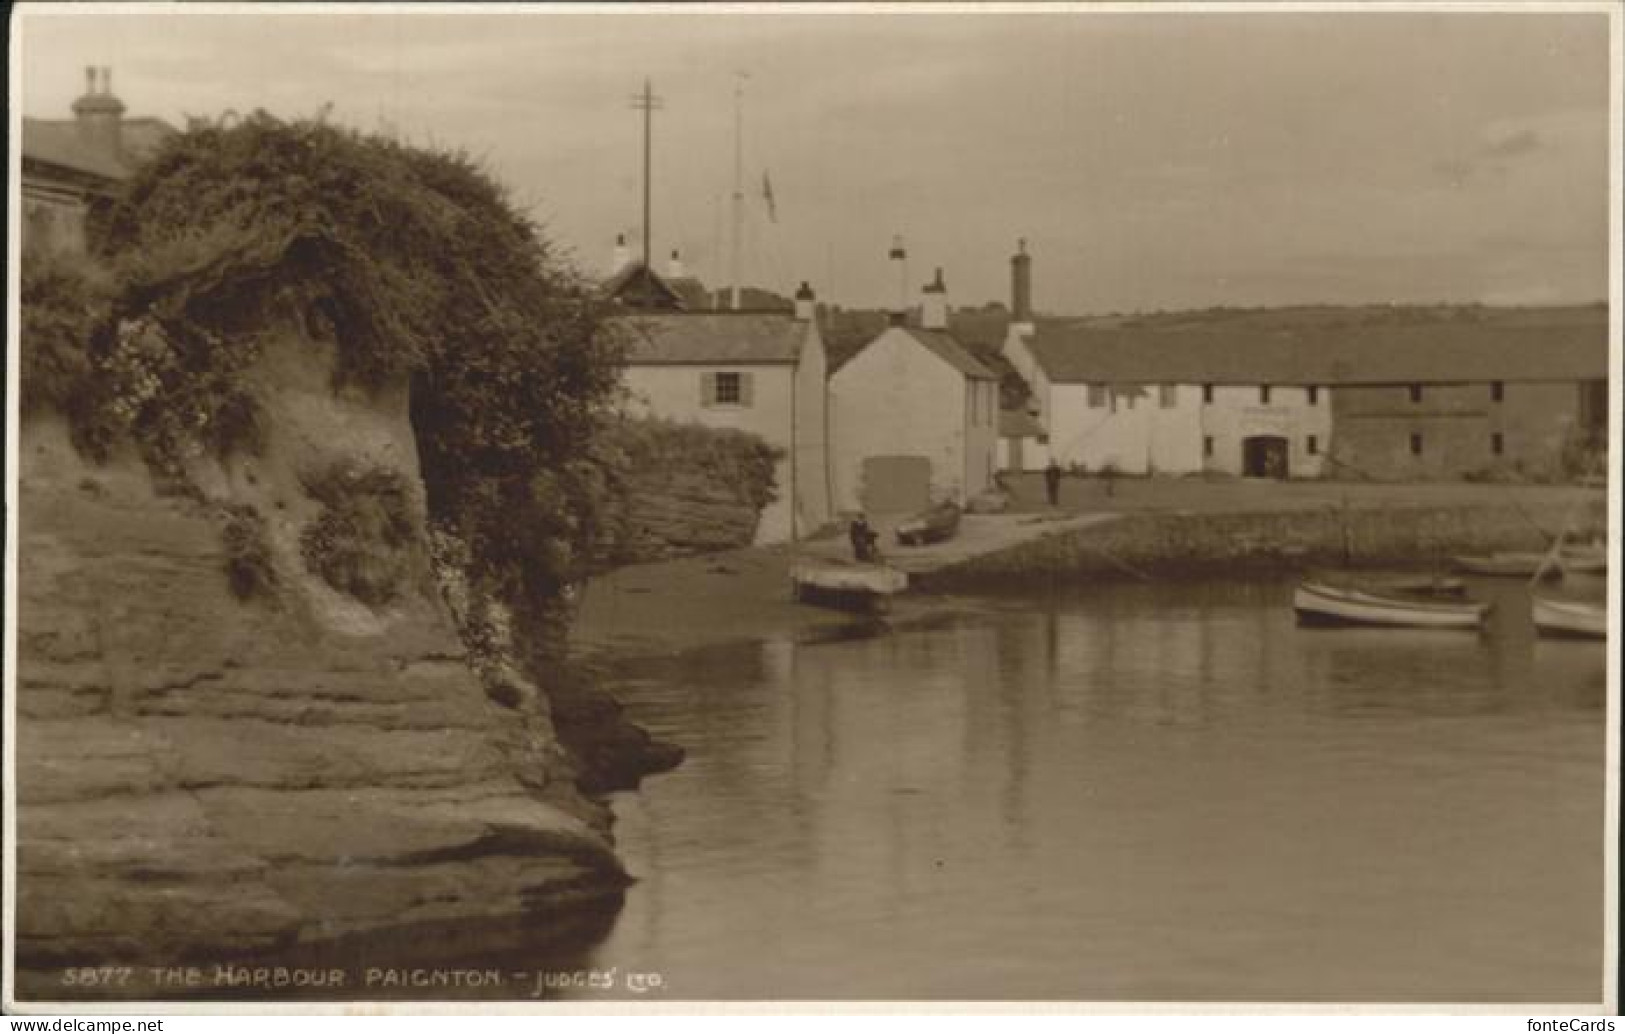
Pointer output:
933, 525
1509, 565
860, 587
1319, 604
1580, 619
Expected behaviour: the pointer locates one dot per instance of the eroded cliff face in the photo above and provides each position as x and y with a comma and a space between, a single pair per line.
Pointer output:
200, 775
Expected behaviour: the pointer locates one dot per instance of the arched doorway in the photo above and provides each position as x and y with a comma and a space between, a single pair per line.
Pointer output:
1264, 456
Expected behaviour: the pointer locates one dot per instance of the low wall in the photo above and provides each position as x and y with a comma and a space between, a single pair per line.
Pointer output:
1175, 545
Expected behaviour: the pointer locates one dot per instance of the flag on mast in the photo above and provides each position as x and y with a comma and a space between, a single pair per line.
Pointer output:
767, 196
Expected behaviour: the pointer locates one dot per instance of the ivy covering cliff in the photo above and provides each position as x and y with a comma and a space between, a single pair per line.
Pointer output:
411, 262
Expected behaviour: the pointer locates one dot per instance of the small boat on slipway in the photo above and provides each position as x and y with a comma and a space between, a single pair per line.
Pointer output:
1571, 619
1317, 603
933, 525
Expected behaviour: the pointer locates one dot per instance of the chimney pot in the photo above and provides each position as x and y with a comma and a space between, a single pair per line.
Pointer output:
806, 302
1021, 284
98, 115
899, 262
934, 304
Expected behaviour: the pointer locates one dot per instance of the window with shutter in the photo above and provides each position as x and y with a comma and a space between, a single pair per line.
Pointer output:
708, 390
747, 388
727, 389
1097, 396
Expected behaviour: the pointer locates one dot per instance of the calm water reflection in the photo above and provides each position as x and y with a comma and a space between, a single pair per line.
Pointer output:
1145, 792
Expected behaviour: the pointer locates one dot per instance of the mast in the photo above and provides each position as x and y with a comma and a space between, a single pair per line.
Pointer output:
647, 103
739, 188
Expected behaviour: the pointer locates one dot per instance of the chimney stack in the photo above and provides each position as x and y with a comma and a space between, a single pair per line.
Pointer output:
899, 265
621, 255
98, 114
934, 304
674, 268
1021, 285
806, 303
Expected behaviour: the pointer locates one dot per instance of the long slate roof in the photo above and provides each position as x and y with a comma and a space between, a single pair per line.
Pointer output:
1329, 346
713, 338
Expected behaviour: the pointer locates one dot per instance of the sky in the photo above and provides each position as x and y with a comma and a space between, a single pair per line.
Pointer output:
1151, 160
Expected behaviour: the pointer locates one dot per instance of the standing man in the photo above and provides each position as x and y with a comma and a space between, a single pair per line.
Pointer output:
1052, 482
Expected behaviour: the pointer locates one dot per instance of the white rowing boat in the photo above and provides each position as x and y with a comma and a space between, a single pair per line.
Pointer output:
1571, 618
1320, 604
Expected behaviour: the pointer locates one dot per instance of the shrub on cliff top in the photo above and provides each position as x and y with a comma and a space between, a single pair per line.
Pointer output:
412, 262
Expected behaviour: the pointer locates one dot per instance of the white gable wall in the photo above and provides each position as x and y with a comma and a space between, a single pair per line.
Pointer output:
897, 398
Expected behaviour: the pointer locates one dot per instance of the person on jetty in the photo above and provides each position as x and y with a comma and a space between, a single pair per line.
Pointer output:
863, 540
1052, 482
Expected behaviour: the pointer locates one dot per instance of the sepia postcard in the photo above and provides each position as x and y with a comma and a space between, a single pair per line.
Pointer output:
583, 507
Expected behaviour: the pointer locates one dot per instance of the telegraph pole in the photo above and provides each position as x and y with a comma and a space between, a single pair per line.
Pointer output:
739, 187
647, 103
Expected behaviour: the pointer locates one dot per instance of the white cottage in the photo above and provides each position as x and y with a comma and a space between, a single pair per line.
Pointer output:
914, 417
761, 372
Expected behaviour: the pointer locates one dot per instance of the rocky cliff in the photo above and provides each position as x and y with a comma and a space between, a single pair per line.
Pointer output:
202, 775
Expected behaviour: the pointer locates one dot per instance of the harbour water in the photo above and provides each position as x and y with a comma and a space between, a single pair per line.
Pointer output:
1139, 793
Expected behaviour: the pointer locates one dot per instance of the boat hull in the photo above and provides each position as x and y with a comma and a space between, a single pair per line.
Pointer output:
1566, 619
863, 588
1325, 605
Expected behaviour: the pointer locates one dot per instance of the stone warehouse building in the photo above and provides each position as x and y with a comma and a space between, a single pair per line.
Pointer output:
72, 165
1377, 393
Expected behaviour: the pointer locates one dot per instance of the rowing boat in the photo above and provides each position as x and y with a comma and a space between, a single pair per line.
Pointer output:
1581, 619
1319, 604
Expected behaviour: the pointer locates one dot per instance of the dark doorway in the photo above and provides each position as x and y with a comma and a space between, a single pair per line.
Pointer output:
1264, 456
896, 484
